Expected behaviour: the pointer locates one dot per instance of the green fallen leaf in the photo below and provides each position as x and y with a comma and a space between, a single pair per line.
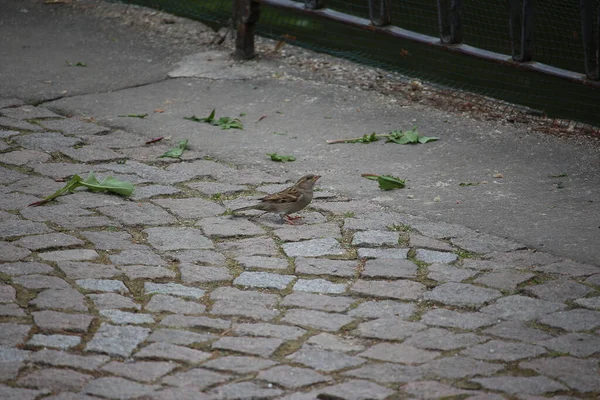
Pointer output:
223, 122
408, 137
176, 151
365, 139
281, 158
142, 116
108, 184
469, 184
386, 182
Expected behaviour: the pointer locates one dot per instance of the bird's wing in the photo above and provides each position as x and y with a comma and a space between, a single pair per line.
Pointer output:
289, 195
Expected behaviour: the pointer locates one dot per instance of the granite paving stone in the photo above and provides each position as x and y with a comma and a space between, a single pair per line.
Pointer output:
136, 257
41, 282
593, 280
165, 239
214, 188
263, 347
483, 243
355, 390
123, 318
149, 191
461, 294
443, 339
324, 360
389, 268
138, 214
60, 299
383, 308
109, 240
104, 301
180, 337
72, 126
8, 175
568, 268
517, 330
504, 280
91, 153
162, 303
400, 289
29, 112
25, 268
592, 302
69, 255
317, 302
573, 320
175, 393
316, 319
260, 262
433, 390
63, 359
54, 213
255, 246
18, 227
580, 375
306, 232
292, 377
57, 321
34, 185
576, 344
184, 321
117, 340
521, 308
10, 252
191, 208
268, 330
433, 256
319, 286
87, 270
343, 207
12, 393
244, 309
440, 230
13, 334
11, 310
458, 367
46, 141
314, 248
425, 242
242, 390
374, 238
317, 266
263, 280
498, 350
456, 319
55, 379
247, 296
387, 372
559, 290
141, 371
389, 328
330, 341
174, 289
239, 364
196, 256
399, 353
226, 227
118, 388
521, 385
192, 273
8, 294
62, 342
168, 351
365, 252
102, 285
48, 241
147, 272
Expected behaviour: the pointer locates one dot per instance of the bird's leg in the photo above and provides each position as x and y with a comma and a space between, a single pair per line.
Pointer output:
290, 220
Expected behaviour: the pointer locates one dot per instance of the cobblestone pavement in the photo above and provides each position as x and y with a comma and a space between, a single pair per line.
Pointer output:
167, 296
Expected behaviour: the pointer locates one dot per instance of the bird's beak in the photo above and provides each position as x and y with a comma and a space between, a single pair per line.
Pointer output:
316, 178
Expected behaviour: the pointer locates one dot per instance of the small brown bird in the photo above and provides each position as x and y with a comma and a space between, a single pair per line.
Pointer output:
288, 201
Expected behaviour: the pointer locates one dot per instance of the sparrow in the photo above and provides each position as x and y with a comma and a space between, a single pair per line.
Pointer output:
289, 200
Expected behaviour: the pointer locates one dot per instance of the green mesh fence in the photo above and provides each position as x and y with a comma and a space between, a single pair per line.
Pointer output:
557, 42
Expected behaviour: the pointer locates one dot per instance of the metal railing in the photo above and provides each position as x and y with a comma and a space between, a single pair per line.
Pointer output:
246, 15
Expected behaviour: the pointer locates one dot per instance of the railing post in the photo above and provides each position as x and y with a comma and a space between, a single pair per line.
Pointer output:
314, 4
591, 45
449, 21
380, 12
521, 30
245, 15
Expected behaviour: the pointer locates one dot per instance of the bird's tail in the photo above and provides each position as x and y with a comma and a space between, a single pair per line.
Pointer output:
244, 209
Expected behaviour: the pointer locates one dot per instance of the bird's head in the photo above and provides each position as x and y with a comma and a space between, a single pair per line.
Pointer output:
307, 181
